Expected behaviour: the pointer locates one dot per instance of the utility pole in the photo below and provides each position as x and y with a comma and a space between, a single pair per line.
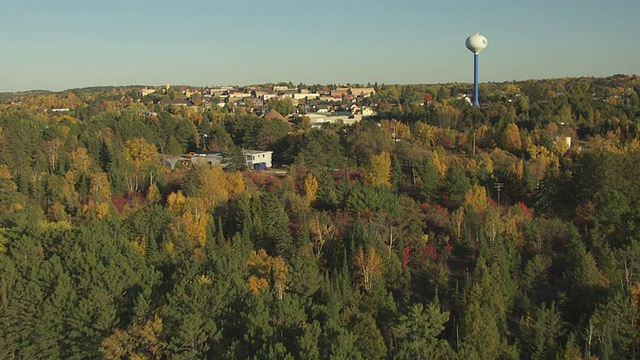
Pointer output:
498, 187
394, 133
391, 239
474, 142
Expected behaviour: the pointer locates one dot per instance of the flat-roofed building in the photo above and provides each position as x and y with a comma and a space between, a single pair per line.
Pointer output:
257, 159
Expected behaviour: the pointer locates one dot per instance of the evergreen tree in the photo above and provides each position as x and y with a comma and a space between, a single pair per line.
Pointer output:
541, 333
418, 333
456, 184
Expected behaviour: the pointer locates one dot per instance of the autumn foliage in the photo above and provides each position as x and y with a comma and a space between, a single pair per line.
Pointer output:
434, 230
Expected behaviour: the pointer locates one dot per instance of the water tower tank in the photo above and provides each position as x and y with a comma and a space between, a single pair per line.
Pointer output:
476, 43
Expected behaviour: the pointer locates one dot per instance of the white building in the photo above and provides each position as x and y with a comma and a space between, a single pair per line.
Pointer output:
257, 159
346, 118
306, 96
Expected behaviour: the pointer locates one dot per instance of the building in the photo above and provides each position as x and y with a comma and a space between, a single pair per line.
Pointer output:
257, 159
306, 96
171, 161
339, 93
350, 93
210, 159
146, 92
174, 102
362, 92
316, 120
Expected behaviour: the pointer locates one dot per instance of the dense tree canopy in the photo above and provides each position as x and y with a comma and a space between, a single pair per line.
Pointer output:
433, 230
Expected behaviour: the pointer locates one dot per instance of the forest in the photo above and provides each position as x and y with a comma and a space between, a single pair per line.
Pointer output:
435, 230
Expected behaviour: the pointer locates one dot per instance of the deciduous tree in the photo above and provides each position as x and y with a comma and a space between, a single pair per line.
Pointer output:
369, 267
266, 270
379, 170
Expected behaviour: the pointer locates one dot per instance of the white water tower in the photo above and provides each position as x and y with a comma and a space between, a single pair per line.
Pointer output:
476, 43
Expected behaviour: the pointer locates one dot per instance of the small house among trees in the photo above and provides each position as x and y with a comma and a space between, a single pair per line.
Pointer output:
257, 159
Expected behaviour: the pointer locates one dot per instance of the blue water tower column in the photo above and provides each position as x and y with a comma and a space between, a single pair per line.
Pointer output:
476, 43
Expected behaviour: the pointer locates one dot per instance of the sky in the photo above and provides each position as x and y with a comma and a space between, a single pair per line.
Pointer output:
63, 44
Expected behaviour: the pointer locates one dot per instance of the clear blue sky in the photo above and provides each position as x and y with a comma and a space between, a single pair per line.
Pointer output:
64, 44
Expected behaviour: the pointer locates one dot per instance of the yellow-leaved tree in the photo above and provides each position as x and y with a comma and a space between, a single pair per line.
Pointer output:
310, 188
99, 203
10, 200
265, 270
321, 233
511, 140
153, 193
396, 129
235, 183
476, 198
541, 159
81, 161
214, 186
138, 341
140, 154
51, 148
425, 134
189, 225
379, 170
440, 163
369, 267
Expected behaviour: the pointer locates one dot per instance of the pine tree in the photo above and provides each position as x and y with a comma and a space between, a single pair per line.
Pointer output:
541, 332
418, 333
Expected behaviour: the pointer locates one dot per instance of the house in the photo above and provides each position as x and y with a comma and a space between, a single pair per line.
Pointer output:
274, 114
364, 110
323, 109
215, 92
329, 99
147, 113
257, 159
260, 93
317, 119
563, 139
188, 93
367, 111
288, 93
238, 96
344, 117
339, 93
